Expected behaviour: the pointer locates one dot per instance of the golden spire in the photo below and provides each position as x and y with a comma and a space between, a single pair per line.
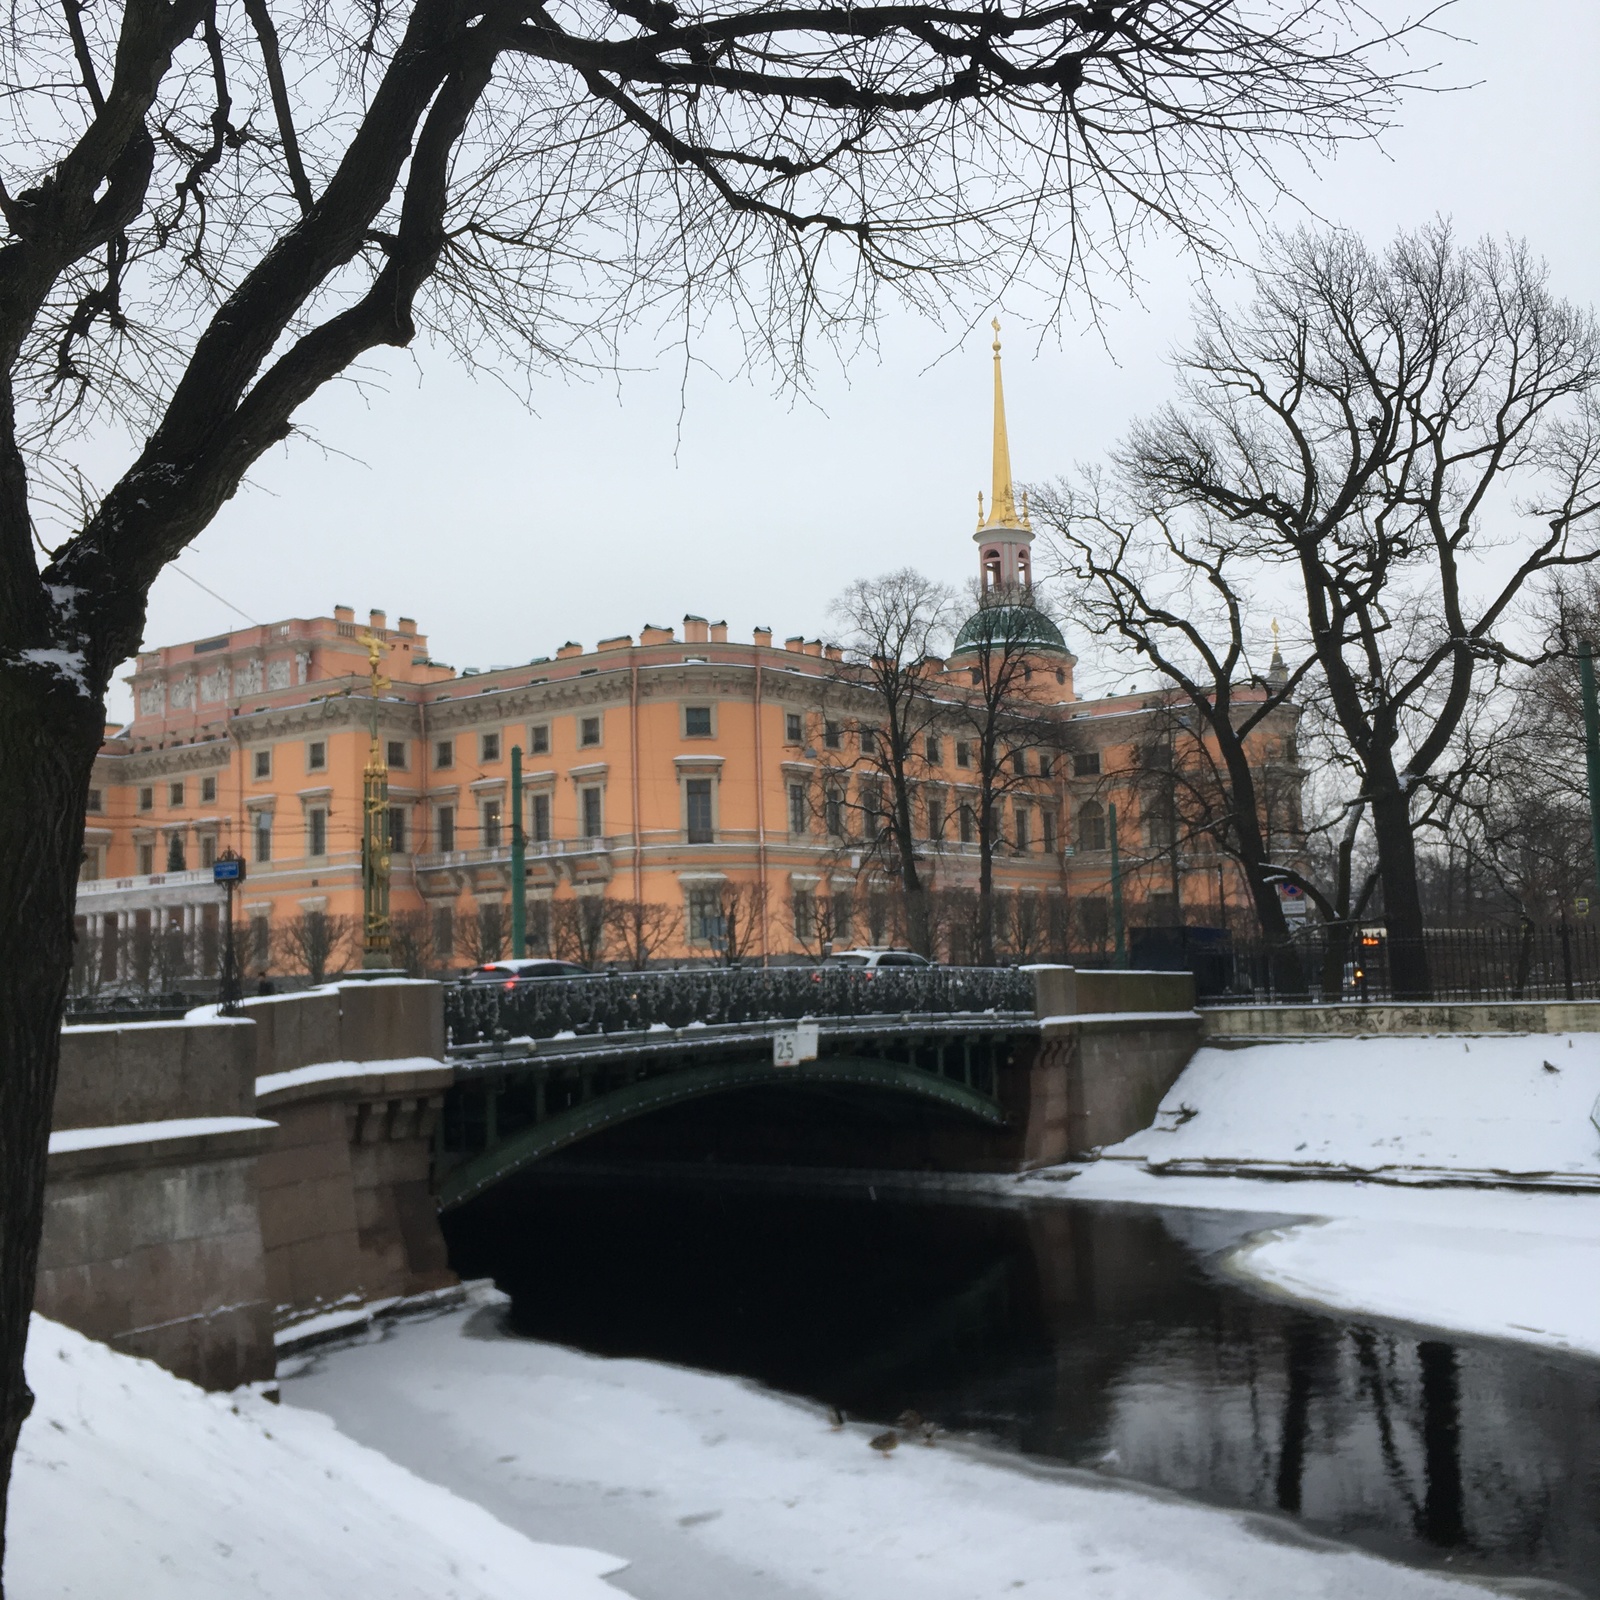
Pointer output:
1002, 501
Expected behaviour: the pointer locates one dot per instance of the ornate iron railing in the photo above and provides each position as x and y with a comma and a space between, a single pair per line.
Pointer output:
542, 1008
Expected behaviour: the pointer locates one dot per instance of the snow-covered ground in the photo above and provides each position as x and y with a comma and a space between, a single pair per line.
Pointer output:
712, 1486
131, 1482
1399, 1109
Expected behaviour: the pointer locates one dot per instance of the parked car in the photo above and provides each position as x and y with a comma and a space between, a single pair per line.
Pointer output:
870, 962
512, 972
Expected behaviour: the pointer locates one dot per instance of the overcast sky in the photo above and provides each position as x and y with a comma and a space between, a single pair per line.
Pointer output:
506, 531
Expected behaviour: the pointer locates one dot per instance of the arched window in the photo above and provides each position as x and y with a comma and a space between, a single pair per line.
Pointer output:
991, 570
1024, 570
1091, 826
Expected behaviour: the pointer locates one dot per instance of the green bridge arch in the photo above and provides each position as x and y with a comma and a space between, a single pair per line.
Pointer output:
522, 1149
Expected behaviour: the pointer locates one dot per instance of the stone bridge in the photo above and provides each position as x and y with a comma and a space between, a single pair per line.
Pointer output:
215, 1182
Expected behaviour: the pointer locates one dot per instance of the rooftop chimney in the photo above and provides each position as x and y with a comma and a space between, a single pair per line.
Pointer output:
379, 621
408, 624
570, 648
763, 638
343, 614
719, 633
696, 630
795, 642
650, 633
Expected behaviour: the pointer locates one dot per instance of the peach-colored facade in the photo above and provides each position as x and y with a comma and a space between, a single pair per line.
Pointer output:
656, 770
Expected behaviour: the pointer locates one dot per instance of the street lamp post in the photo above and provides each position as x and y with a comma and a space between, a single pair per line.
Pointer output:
519, 867
228, 870
1591, 739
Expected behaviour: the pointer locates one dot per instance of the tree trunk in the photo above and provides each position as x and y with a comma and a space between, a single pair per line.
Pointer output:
1402, 897
50, 730
985, 896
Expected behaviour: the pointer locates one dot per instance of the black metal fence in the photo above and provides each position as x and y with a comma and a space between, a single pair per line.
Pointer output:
542, 1008
1366, 963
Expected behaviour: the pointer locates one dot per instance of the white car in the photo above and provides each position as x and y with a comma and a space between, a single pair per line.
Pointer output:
870, 960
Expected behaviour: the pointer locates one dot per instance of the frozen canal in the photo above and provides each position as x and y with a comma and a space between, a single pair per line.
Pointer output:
1095, 1336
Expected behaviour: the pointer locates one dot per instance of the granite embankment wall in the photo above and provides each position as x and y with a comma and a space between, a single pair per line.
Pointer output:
214, 1178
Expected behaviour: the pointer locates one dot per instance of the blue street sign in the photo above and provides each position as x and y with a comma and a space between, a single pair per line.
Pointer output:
227, 871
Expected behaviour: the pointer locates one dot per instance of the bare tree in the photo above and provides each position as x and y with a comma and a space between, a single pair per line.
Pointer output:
485, 936
314, 943
214, 212
741, 913
1359, 425
642, 929
411, 943
1178, 591
895, 627
1016, 739
581, 928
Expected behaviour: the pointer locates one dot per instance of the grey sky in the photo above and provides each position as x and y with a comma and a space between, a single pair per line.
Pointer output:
506, 532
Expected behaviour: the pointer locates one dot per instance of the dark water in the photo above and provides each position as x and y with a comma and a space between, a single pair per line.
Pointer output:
1100, 1336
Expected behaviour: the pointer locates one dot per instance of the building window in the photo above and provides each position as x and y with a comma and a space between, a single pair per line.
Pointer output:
208, 791
317, 756
175, 793
147, 799
1047, 831
489, 827
833, 812
316, 832
593, 824
1019, 763
1024, 828
1160, 822
147, 860
208, 851
398, 754
263, 833
263, 764
539, 739
805, 915
1086, 764
963, 753
1046, 764
445, 827
794, 731
697, 722
935, 819
588, 731
705, 916
799, 811
96, 802
444, 753
175, 859
260, 942
969, 825
89, 870
444, 935
1091, 826
541, 819
488, 748
697, 806
932, 750
397, 830
867, 737
831, 736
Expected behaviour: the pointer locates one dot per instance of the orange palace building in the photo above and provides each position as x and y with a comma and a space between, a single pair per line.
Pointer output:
660, 769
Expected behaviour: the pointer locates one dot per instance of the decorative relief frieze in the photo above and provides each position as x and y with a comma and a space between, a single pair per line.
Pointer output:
180, 693
247, 678
214, 686
153, 699
279, 674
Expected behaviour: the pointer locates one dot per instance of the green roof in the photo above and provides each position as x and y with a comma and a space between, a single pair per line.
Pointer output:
1009, 624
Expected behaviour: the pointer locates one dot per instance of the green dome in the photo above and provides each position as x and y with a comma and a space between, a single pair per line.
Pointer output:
1009, 624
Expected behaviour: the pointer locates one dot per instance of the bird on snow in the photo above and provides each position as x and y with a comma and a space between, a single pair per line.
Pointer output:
885, 1442
835, 1418
908, 1419
1550, 1066
929, 1429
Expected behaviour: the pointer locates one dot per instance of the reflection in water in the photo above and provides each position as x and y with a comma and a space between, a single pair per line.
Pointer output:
1095, 1335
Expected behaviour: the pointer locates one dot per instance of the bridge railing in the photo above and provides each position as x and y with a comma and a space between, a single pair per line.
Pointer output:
542, 1008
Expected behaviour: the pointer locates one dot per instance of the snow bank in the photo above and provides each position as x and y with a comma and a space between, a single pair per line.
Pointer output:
150, 1132
1539, 1288
328, 1071
131, 1482
1400, 1109
719, 1488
